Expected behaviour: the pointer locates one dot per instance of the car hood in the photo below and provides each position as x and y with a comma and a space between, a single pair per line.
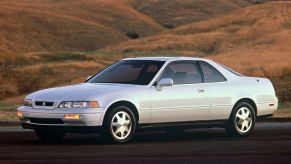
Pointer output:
79, 92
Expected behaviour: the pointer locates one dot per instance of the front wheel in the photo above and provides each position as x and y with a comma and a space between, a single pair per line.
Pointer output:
242, 120
49, 135
120, 125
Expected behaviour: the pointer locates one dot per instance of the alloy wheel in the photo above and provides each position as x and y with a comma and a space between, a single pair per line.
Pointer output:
121, 125
243, 120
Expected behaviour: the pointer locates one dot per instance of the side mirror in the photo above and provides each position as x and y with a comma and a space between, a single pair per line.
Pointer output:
88, 78
164, 82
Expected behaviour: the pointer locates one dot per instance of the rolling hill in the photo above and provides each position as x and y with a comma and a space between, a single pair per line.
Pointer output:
180, 12
86, 25
254, 40
45, 43
74, 25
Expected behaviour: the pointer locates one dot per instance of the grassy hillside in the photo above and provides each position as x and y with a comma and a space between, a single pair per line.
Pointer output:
74, 25
84, 25
26, 73
181, 12
48, 43
254, 40
41, 41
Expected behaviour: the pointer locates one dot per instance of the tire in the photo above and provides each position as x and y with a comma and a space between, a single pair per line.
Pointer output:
119, 126
49, 135
242, 120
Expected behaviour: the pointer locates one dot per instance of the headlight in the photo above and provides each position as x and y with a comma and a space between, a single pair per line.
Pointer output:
27, 102
79, 104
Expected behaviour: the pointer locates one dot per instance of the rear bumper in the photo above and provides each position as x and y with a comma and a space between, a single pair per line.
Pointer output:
267, 108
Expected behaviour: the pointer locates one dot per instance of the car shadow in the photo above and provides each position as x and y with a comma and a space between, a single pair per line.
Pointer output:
196, 135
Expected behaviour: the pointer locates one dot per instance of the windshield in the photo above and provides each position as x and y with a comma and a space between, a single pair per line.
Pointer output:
139, 72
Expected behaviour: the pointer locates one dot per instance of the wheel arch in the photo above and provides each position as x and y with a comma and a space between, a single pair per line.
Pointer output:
122, 102
247, 100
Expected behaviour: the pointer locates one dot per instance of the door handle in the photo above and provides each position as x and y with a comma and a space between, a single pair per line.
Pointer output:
200, 90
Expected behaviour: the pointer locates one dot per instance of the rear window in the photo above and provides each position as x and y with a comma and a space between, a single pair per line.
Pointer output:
210, 73
231, 71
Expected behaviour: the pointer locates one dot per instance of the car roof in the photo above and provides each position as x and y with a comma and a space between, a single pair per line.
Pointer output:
166, 58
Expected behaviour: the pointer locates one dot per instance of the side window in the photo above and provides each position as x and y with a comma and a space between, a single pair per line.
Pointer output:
183, 72
210, 73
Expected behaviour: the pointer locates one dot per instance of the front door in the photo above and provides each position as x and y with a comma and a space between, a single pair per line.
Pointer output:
186, 100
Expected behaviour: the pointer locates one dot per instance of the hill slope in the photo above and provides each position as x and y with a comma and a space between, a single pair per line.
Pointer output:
238, 39
82, 25
49, 25
181, 12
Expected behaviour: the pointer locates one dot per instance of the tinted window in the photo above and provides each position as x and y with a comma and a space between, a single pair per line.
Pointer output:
183, 72
210, 73
139, 72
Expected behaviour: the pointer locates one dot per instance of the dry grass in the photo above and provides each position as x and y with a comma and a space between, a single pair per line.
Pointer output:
181, 12
283, 111
49, 25
8, 116
254, 40
8, 112
38, 71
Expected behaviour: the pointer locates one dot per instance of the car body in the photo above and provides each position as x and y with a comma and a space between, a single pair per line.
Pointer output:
170, 92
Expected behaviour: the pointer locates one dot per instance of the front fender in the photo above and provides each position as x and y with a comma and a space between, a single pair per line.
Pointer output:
140, 98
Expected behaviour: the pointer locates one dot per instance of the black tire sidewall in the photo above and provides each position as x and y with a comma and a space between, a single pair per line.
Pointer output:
107, 133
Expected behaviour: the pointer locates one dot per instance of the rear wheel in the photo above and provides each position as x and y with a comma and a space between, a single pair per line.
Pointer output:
242, 120
49, 135
120, 125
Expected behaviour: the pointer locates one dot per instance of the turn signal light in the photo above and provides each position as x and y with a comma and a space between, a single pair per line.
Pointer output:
20, 114
72, 116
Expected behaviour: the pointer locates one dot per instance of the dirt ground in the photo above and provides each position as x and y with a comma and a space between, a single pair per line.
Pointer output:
285, 112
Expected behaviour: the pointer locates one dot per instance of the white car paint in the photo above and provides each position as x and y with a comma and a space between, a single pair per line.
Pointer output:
177, 103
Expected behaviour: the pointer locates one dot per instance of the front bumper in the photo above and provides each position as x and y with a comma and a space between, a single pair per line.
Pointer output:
54, 118
72, 129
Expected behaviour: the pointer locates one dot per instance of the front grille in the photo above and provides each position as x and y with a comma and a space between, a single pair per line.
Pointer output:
46, 121
44, 103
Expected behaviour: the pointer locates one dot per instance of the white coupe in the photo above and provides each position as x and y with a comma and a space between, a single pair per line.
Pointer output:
170, 93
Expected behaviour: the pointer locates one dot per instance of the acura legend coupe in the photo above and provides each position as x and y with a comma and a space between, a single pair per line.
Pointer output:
169, 93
